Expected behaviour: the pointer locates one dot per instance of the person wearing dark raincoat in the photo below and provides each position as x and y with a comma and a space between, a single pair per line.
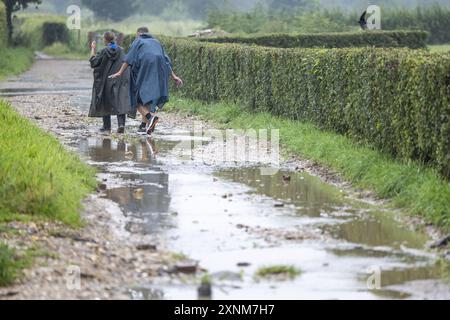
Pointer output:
110, 96
151, 69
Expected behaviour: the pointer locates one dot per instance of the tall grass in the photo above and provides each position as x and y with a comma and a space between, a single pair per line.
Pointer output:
14, 61
8, 266
39, 178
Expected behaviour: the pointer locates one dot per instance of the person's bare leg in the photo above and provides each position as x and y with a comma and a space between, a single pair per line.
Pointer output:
144, 112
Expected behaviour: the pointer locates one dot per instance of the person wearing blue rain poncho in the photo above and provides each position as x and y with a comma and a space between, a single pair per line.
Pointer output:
151, 69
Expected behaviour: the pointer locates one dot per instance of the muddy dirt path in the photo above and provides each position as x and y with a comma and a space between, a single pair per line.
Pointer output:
161, 214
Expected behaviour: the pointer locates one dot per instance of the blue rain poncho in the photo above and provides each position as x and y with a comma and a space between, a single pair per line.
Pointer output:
150, 72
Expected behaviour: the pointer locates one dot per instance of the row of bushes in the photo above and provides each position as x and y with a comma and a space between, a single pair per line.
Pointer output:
40, 32
394, 99
383, 39
3, 26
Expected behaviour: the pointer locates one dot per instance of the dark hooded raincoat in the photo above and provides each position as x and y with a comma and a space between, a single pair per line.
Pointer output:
150, 72
110, 96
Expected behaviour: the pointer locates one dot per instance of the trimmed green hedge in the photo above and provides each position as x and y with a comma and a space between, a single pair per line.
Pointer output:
394, 99
40, 31
3, 26
55, 32
381, 39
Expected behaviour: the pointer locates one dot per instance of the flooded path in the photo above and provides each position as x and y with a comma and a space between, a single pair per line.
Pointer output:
235, 221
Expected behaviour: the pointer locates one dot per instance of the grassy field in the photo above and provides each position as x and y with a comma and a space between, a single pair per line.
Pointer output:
420, 191
14, 61
157, 25
440, 48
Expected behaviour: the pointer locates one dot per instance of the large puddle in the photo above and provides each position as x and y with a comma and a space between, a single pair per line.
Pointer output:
235, 221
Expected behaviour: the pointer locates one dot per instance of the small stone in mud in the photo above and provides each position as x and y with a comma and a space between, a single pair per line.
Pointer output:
440, 243
286, 178
225, 196
102, 186
138, 194
146, 247
204, 291
215, 180
187, 267
278, 205
37, 118
243, 264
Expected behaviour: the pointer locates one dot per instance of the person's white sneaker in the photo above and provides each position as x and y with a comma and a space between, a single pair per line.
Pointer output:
151, 125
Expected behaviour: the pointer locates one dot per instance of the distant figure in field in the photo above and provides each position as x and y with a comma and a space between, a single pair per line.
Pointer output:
151, 69
363, 21
110, 96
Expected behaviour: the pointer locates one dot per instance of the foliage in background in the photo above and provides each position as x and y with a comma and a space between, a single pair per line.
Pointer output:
3, 26
14, 61
434, 19
382, 39
13, 6
157, 25
53, 32
40, 31
113, 10
29, 29
394, 99
39, 177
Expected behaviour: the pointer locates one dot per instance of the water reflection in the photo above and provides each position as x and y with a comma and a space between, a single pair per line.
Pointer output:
146, 199
378, 229
310, 196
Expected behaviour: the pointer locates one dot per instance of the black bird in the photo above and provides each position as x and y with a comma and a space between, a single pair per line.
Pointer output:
362, 21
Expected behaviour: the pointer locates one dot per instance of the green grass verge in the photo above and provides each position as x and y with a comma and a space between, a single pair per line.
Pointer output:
8, 266
63, 51
440, 48
39, 179
419, 190
15, 61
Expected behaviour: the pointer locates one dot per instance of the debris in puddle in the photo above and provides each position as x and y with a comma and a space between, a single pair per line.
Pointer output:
227, 276
129, 155
243, 264
441, 243
186, 267
204, 291
286, 178
146, 247
138, 194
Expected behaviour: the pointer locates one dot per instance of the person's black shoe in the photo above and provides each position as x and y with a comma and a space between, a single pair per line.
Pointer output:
142, 128
150, 128
105, 130
121, 130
